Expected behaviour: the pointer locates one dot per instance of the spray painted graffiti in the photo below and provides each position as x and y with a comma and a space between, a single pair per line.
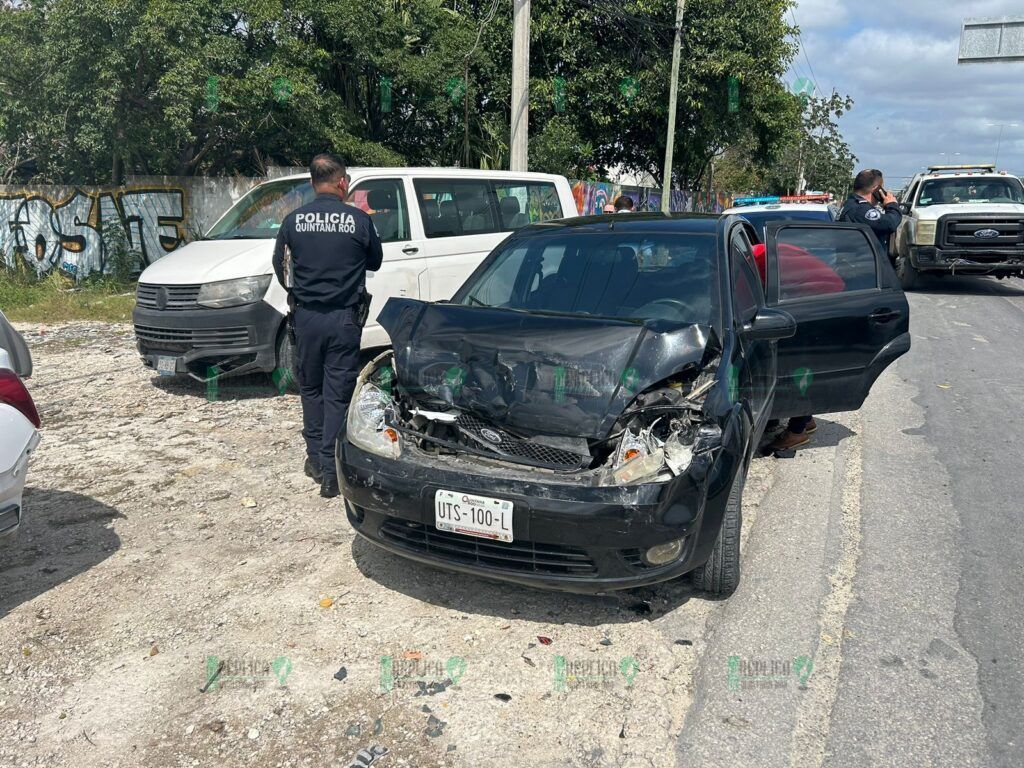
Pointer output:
75, 234
592, 196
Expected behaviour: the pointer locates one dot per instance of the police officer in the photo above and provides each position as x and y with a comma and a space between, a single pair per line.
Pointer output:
331, 245
871, 204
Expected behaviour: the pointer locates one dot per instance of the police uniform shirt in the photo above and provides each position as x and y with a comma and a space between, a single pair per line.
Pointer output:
859, 211
332, 245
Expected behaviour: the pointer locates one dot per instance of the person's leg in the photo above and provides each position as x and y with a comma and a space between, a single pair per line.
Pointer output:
798, 424
797, 433
341, 367
310, 345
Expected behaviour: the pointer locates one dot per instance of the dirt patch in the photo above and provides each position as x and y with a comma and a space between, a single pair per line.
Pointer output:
181, 595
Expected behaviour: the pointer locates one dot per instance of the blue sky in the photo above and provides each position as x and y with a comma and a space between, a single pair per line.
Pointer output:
897, 59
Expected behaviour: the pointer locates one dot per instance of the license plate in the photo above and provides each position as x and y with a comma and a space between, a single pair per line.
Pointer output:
470, 515
167, 366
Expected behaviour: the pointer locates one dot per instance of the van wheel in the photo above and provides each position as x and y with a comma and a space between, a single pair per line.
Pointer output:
906, 272
285, 377
720, 575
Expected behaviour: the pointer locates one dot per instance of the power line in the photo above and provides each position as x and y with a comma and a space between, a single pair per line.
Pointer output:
803, 49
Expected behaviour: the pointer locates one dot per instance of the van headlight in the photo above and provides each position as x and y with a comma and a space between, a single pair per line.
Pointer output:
233, 293
925, 234
366, 428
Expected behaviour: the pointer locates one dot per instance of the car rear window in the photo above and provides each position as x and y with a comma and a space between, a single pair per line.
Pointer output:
455, 207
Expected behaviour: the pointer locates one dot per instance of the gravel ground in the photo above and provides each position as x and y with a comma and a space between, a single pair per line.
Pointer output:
171, 533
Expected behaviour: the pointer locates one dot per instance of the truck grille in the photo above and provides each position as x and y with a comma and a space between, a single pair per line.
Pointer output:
961, 233
182, 340
173, 297
522, 556
518, 450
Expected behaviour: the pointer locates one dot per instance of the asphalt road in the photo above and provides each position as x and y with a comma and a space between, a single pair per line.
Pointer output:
881, 614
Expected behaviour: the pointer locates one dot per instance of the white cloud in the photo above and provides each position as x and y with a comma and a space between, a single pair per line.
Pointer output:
812, 14
912, 100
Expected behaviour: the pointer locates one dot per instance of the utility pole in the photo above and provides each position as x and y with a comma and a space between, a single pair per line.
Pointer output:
673, 97
520, 129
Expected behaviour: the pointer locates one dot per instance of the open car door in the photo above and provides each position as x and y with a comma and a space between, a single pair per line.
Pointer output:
852, 317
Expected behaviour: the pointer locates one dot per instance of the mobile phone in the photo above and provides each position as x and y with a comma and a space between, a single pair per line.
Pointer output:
880, 194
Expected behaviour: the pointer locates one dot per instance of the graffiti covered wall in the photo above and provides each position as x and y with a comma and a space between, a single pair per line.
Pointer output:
76, 229
71, 228
592, 196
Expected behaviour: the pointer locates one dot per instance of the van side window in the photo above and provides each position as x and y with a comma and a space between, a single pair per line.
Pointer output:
384, 201
521, 203
452, 207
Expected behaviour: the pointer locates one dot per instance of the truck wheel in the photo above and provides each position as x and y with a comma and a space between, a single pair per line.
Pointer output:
906, 272
720, 575
285, 377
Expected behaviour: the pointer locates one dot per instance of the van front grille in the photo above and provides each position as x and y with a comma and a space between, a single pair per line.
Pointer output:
172, 298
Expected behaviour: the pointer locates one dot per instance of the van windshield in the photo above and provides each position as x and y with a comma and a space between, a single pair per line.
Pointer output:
966, 190
258, 215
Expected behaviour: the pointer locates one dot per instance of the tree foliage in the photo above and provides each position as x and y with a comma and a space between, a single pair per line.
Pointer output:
93, 91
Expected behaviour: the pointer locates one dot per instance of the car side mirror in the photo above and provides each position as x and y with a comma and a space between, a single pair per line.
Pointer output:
905, 209
770, 325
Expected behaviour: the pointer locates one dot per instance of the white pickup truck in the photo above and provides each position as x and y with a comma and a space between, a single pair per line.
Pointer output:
960, 219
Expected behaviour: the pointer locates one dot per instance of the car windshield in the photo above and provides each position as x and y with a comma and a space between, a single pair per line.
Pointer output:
644, 276
761, 219
966, 190
260, 212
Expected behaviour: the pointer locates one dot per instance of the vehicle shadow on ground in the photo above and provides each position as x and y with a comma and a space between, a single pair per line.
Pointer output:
482, 597
63, 535
969, 285
256, 386
828, 435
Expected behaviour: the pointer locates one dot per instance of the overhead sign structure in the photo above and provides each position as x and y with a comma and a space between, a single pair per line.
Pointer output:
988, 40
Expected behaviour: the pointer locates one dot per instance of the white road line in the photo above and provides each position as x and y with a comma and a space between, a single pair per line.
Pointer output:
812, 723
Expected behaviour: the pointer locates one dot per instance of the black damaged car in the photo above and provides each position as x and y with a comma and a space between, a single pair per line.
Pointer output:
582, 414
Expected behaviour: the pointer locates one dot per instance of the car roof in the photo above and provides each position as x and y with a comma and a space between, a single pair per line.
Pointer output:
700, 223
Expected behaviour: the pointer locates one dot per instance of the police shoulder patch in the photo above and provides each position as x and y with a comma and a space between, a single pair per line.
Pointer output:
873, 215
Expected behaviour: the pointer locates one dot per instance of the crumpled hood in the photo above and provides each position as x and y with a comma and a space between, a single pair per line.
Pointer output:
534, 373
207, 261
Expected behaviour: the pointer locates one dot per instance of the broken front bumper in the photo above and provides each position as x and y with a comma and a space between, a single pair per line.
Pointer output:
566, 536
210, 343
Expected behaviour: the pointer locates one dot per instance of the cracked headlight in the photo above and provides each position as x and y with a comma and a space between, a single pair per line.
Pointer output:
366, 428
233, 293
925, 233
634, 460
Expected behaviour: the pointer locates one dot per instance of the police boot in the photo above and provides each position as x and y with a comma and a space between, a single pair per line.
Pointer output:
329, 487
312, 469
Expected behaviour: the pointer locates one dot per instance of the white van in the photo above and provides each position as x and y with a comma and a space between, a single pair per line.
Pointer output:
214, 308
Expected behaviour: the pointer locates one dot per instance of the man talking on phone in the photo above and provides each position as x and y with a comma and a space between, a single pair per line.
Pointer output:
873, 205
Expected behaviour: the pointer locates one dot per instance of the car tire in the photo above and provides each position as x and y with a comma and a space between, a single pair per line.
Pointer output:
720, 575
285, 377
906, 272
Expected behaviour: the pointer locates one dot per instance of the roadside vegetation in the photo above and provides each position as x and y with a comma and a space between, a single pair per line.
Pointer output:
56, 297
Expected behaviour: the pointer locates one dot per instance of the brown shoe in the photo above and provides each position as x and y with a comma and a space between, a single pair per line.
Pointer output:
812, 426
789, 440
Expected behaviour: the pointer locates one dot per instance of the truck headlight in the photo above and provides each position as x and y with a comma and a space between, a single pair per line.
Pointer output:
233, 293
366, 428
925, 234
